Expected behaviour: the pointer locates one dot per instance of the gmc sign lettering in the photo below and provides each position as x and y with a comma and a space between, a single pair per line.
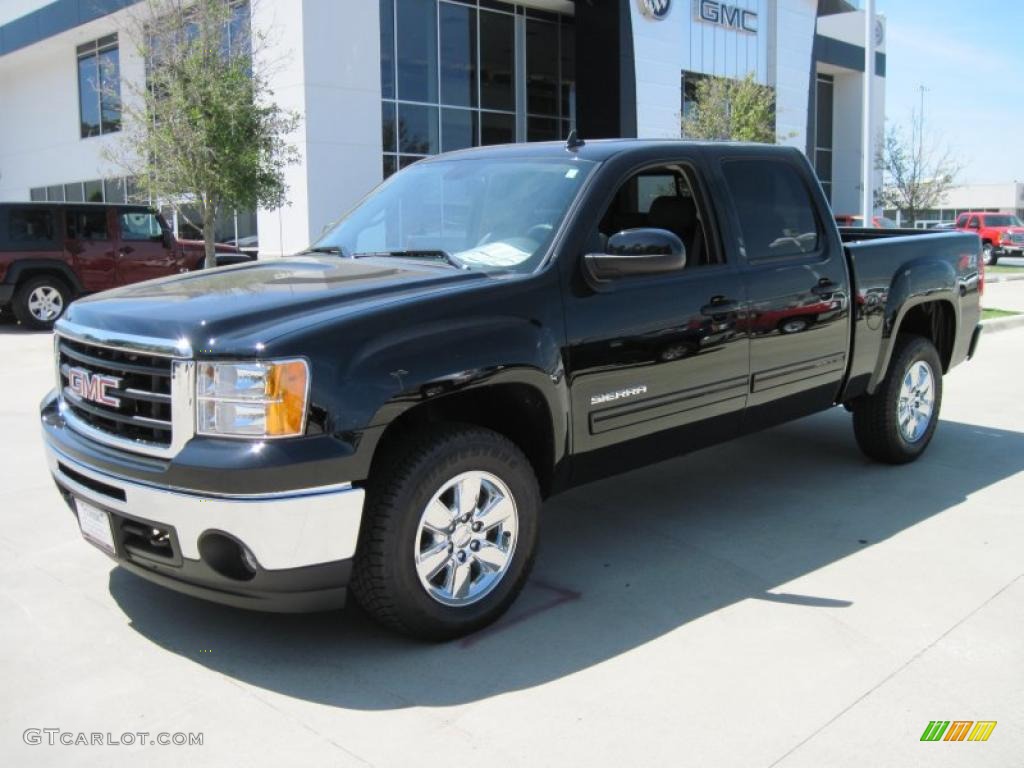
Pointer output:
725, 15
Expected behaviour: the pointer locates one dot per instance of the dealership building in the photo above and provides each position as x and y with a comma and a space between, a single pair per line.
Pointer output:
382, 83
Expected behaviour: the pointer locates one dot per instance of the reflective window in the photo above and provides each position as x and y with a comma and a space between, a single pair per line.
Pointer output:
458, 128
99, 87
497, 61
74, 193
417, 50
451, 78
774, 208
30, 226
458, 55
94, 191
37, 194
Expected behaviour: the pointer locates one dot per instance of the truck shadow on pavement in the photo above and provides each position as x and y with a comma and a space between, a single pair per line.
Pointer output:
622, 562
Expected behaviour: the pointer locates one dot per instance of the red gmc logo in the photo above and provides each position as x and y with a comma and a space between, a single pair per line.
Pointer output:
93, 386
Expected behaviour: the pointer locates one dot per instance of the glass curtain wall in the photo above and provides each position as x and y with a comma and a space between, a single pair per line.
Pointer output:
824, 102
465, 73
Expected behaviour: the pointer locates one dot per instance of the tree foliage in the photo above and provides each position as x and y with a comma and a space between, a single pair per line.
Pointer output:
203, 133
917, 171
732, 110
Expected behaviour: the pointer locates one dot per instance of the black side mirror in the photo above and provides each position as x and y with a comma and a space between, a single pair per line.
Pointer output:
644, 251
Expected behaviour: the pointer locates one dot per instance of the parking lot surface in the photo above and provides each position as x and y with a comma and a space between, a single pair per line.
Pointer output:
777, 601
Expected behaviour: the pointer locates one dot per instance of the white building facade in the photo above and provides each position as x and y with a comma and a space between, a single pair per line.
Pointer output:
382, 83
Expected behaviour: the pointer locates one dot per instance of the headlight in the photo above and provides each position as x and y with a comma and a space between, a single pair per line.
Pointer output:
1005, 237
252, 399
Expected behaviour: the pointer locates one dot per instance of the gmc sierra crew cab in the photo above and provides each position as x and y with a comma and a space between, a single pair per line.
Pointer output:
387, 411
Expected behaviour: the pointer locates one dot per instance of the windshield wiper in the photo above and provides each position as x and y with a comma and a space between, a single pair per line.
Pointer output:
335, 249
437, 255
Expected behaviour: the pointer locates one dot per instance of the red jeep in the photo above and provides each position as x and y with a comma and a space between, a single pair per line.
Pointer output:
51, 253
1002, 234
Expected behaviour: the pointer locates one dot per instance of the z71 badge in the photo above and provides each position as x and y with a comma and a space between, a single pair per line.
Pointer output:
611, 397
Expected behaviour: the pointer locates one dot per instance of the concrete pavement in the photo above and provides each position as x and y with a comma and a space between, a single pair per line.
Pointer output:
778, 601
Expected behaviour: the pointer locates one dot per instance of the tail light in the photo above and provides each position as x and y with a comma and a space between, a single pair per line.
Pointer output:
981, 273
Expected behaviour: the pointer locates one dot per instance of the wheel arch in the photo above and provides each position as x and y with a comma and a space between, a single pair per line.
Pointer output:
20, 271
518, 410
934, 318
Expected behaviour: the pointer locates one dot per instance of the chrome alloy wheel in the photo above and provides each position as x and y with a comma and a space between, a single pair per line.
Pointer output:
466, 538
917, 401
45, 303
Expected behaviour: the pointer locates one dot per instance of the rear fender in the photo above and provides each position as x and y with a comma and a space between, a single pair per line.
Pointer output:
917, 282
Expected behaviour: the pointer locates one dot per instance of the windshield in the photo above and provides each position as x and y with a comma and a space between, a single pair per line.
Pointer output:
1002, 221
486, 213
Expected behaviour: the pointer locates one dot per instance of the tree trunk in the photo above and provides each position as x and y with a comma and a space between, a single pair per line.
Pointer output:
209, 230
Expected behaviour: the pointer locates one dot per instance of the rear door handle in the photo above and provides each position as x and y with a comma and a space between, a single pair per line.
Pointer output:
720, 306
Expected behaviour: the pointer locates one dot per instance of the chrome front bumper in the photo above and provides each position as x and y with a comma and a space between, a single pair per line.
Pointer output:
290, 530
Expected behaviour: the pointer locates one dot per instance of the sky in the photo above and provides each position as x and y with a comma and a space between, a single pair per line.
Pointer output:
970, 57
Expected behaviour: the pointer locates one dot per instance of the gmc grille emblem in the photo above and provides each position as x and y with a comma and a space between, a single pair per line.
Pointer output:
93, 386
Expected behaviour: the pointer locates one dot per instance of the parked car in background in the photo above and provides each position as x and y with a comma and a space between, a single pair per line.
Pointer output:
51, 253
877, 222
249, 245
1002, 234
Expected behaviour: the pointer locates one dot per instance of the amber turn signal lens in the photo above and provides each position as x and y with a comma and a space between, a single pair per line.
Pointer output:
287, 384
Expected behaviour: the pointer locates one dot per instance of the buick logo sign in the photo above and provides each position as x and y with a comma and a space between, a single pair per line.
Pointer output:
86, 385
655, 9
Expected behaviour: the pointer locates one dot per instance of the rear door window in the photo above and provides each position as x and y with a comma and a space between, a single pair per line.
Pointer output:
28, 226
87, 225
774, 207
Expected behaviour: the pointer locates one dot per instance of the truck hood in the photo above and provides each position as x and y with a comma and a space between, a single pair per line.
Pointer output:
238, 309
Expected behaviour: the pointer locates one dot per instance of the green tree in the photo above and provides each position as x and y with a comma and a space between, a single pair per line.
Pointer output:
918, 171
732, 110
202, 133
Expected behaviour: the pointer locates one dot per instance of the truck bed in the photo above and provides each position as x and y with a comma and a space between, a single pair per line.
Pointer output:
886, 267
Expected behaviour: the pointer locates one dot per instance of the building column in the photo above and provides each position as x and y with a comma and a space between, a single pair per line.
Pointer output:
324, 59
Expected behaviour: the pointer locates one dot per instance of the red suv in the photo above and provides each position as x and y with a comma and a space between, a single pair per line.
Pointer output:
52, 252
1002, 234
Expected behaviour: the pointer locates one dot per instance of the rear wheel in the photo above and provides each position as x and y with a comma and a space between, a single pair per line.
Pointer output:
40, 301
897, 423
449, 533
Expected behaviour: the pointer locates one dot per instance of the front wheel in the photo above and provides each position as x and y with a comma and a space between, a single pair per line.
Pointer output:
988, 253
897, 423
449, 533
40, 301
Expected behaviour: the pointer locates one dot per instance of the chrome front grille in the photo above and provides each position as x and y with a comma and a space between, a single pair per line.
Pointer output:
1017, 238
134, 396
138, 406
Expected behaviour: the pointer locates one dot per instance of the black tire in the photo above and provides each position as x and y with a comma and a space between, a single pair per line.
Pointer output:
876, 417
385, 581
989, 255
22, 296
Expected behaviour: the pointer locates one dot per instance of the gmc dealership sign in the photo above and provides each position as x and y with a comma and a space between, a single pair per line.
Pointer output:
725, 15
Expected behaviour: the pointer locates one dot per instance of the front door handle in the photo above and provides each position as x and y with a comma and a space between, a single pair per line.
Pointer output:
720, 305
825, 287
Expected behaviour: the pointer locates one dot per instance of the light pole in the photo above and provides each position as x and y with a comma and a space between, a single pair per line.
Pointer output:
867, 143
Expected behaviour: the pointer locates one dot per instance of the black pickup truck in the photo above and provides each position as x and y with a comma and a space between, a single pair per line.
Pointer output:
388, 410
